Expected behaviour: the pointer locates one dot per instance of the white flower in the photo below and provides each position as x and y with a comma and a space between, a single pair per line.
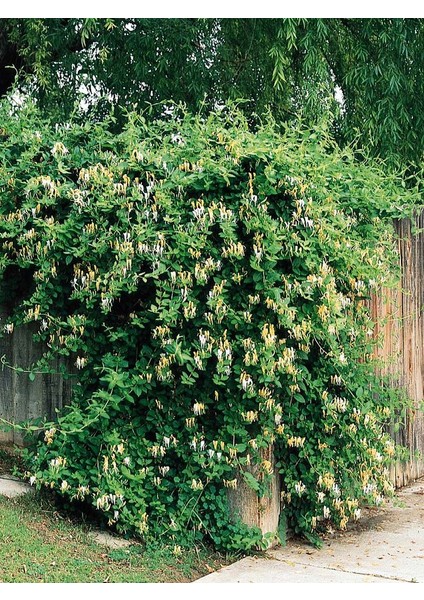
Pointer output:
176, 138
106, 302
340, 404
258, 252
203, 340
198, 360
80, 362
198, 212
368, 488
336, 490
246, 381
359, 285
306, 222
198, 408
357, 514
82, 491
47, 183
300, 487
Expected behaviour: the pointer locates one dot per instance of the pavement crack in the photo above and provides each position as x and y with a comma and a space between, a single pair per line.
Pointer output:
341, 570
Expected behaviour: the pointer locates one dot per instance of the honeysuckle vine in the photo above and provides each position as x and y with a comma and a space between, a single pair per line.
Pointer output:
208, 286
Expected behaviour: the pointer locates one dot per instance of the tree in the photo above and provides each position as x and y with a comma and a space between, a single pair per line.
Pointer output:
283, 65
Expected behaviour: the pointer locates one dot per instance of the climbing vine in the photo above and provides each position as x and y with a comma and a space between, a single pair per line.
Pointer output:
207, 288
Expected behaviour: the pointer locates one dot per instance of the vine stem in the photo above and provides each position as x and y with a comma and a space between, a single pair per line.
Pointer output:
30, 371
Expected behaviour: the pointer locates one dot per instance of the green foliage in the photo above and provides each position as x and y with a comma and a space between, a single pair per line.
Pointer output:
366, 75
208, 285
377, 66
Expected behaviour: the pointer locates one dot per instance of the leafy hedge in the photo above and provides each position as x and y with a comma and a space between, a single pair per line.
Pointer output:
208, 285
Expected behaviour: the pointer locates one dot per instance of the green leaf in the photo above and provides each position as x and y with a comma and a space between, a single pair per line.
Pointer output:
251, 481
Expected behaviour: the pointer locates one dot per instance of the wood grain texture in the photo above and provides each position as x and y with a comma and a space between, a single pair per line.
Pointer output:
245, 504
21, 399
399, 313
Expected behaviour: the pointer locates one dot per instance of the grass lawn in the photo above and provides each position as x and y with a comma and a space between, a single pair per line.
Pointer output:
40, 544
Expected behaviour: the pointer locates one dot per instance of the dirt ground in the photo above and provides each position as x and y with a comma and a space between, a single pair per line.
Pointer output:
9, 458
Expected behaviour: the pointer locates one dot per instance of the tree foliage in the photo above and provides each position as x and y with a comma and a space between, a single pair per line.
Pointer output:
283, 65
208, 285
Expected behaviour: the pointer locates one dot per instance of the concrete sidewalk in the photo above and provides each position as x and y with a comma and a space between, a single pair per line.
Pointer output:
385, 546
12, 487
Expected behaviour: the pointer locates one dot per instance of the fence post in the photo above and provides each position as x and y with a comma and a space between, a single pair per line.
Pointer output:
254, 511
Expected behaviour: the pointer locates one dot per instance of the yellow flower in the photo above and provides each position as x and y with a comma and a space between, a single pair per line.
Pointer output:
267, 467
49, 435
230, 483
296, 442
105, 464
250, 416
323, 312
142, 524
199, 408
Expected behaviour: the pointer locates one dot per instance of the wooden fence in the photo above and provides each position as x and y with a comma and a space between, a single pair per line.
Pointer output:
402, 350
21, 399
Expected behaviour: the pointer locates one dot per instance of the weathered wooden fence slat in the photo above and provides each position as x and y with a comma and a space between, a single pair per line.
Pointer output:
23, 399
402, 350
